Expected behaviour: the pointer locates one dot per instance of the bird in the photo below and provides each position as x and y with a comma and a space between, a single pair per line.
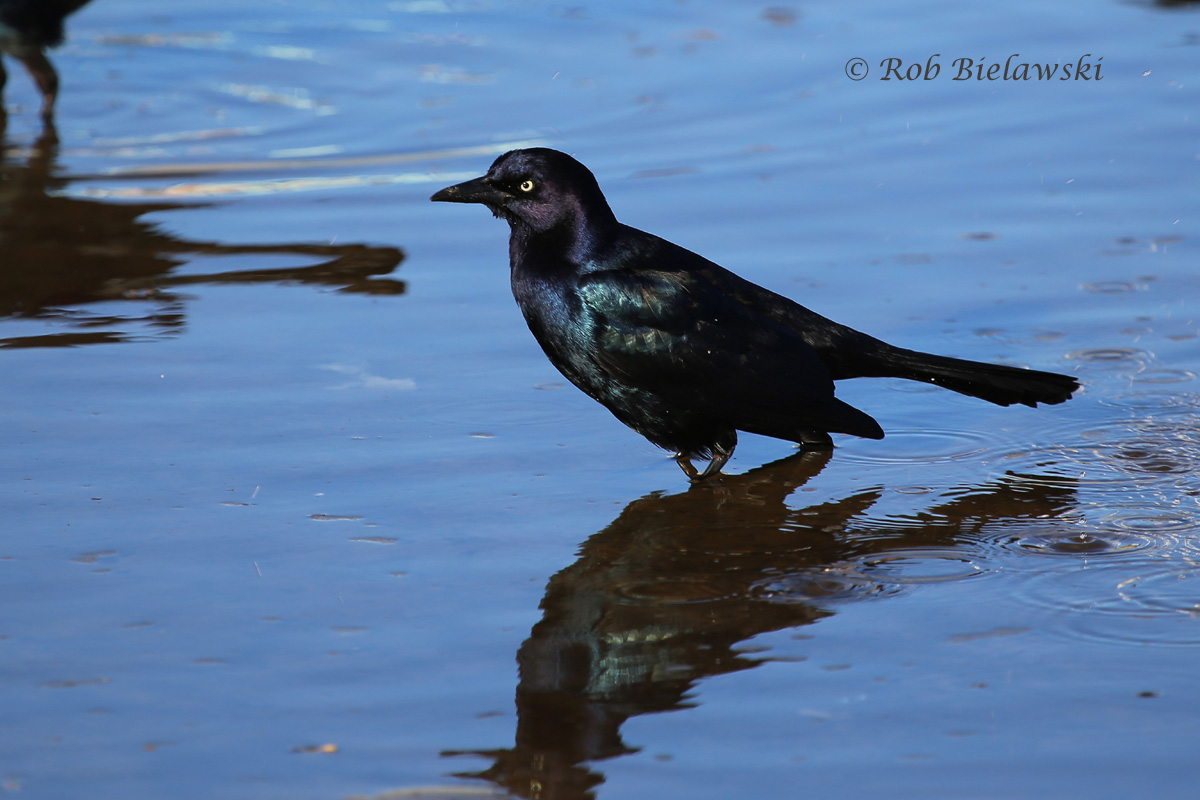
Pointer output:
27, 28
682, 350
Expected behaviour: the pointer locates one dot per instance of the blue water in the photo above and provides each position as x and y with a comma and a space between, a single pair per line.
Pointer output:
295, 507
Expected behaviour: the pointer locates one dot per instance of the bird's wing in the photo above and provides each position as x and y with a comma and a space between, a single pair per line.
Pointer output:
674, 333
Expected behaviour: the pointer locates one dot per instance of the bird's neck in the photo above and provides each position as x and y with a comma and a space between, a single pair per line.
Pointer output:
568, 246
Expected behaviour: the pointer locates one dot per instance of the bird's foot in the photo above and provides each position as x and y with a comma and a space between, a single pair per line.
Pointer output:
714, 465
816, 440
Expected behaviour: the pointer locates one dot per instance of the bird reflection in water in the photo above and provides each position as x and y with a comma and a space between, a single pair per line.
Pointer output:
660, 599
62, 253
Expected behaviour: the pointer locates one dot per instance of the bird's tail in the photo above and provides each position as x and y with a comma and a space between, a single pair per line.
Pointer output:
995, 383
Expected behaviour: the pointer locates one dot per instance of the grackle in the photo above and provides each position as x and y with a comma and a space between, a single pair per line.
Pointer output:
681, 350
27, 28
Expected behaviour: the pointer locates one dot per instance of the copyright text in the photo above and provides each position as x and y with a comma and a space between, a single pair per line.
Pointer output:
1013, 68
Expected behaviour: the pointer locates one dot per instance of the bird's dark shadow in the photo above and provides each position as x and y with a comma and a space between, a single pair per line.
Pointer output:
61, 254
661, 597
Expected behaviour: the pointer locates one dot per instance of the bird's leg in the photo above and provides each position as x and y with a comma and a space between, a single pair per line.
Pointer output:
685, 463
43, 74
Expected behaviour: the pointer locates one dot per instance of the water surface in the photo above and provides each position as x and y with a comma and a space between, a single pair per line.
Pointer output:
295, 507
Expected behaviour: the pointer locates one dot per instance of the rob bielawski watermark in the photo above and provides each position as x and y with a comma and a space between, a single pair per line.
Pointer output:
1013, 68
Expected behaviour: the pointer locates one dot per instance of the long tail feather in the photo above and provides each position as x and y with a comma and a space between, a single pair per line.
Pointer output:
996, 383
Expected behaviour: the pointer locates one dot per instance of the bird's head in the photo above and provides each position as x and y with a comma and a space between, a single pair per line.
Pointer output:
538, 191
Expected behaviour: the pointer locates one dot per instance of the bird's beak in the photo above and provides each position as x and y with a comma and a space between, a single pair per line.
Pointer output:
477, 190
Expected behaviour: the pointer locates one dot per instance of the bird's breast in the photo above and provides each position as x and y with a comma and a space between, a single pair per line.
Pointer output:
567, 334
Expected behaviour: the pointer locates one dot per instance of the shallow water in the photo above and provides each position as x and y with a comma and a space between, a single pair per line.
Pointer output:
295, 507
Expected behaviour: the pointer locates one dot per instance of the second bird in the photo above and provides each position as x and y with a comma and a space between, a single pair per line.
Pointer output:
27, 28
682, 350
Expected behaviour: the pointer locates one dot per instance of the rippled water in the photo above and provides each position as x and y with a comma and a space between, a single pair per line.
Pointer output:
294, 506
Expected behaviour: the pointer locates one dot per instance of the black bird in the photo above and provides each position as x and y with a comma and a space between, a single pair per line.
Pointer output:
681, 350
27, 28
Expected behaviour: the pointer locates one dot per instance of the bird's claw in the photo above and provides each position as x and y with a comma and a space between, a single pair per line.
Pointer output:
714, 466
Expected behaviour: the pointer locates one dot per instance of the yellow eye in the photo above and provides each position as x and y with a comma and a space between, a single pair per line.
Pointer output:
526, 185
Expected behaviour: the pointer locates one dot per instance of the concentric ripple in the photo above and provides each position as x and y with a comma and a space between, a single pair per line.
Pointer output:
676, 590
881, 573
1060, 543
1118, 356
1156, 448
1127, 455
923, 445
1173, 530
1142, 400
1156, 522
921, 565
837, 582
1143, 601
1163, 375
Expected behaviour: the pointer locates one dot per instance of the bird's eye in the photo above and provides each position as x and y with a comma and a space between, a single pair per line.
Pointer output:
526, 185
